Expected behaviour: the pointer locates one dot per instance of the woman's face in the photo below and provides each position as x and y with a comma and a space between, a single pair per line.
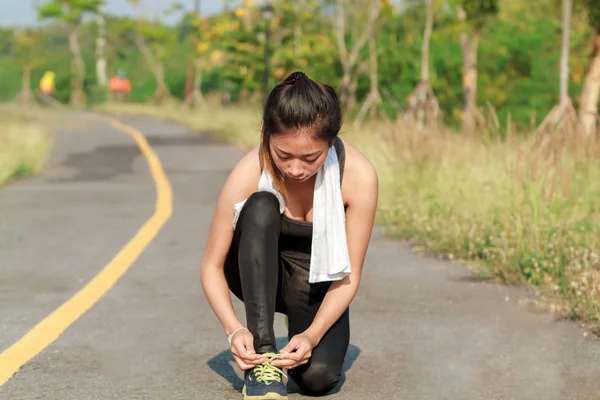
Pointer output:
298, 155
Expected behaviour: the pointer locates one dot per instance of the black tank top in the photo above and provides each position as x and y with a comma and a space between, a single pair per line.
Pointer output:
295, 240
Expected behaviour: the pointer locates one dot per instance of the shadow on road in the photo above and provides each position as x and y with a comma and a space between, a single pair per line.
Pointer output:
107, 162
224, 365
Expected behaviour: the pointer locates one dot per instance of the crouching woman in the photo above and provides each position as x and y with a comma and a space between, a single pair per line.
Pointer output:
289, 234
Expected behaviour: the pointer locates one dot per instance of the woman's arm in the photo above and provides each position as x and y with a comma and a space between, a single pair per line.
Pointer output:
361, 196
240, 184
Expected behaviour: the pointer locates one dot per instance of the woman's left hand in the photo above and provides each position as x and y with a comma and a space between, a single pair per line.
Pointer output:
297, 352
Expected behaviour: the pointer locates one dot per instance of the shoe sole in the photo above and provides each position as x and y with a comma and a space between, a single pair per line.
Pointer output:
268, 396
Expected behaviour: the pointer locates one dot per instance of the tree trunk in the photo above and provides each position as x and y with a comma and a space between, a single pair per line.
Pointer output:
469, 45
197, 96
346, 86
423, 99
591, 91
564, 55
277, 35
77, 93
298, 4
350, 59
373, 98
362, 68
189, 82
374, 75
562, 121
101, 50
469, 49
426, 42
26, 95
162, 90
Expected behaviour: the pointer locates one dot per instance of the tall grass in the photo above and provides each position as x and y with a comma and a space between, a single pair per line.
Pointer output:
522, 212
523, 209
24, 144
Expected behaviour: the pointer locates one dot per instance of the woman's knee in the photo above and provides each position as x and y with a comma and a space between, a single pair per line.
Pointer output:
318, 380
261, 210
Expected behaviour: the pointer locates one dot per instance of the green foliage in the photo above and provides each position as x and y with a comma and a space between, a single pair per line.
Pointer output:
518, 55
70, 11
476, 9
160, 38
50, 10
477, 13
6, 41
593, 9
28, 47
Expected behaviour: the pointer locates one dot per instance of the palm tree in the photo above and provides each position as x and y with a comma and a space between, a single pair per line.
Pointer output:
563, 117
588, 111
422, 104
71, 12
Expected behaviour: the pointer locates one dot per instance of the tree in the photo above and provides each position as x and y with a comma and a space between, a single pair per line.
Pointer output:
155, 40
101, 77
201, 40
193, 79
373, 98
588, 111
6, 41
474, 14
297, 35
217, 39
422, 103
350, 59
28, 53
564, 54
71, 12
299, 19
563, 117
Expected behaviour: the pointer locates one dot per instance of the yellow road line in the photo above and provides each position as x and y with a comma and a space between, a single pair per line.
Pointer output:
51, 327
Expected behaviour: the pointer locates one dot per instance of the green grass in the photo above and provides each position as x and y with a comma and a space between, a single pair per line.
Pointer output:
24, 143
513, 211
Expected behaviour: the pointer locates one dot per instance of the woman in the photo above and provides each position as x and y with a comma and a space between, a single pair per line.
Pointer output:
265, 260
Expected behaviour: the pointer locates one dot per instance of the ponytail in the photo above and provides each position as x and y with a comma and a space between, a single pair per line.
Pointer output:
296, 103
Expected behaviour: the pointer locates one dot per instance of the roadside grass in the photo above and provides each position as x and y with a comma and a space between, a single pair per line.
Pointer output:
24, 143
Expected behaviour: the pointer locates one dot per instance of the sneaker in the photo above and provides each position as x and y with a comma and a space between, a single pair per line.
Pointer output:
264, 381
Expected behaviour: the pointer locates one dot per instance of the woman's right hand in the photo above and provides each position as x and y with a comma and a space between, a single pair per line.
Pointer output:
242, 347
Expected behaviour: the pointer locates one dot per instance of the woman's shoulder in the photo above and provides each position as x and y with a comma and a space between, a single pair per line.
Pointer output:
359, 173
249, 163
243, 178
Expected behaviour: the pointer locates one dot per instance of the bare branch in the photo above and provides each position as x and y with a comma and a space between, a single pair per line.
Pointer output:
374, 12
340, 25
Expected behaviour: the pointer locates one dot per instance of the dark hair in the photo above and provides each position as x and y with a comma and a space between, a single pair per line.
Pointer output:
297, 103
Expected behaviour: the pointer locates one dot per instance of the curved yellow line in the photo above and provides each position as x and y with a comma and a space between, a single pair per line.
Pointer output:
51, 327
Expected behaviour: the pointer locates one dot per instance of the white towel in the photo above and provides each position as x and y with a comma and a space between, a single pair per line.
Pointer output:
330, 259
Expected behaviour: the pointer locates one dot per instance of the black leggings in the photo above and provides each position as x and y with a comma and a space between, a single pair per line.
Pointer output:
270, 280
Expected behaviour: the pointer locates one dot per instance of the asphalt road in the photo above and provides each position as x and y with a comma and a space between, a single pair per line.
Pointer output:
420, 327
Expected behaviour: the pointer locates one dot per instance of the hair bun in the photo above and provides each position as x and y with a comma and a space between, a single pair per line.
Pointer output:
296, 76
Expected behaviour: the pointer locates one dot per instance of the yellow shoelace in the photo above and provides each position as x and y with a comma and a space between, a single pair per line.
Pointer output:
266, 372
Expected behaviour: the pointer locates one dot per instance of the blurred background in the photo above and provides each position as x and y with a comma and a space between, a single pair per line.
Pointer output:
478, 53
481, 116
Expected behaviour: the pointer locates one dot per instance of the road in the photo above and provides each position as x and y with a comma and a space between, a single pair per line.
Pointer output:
420, 327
